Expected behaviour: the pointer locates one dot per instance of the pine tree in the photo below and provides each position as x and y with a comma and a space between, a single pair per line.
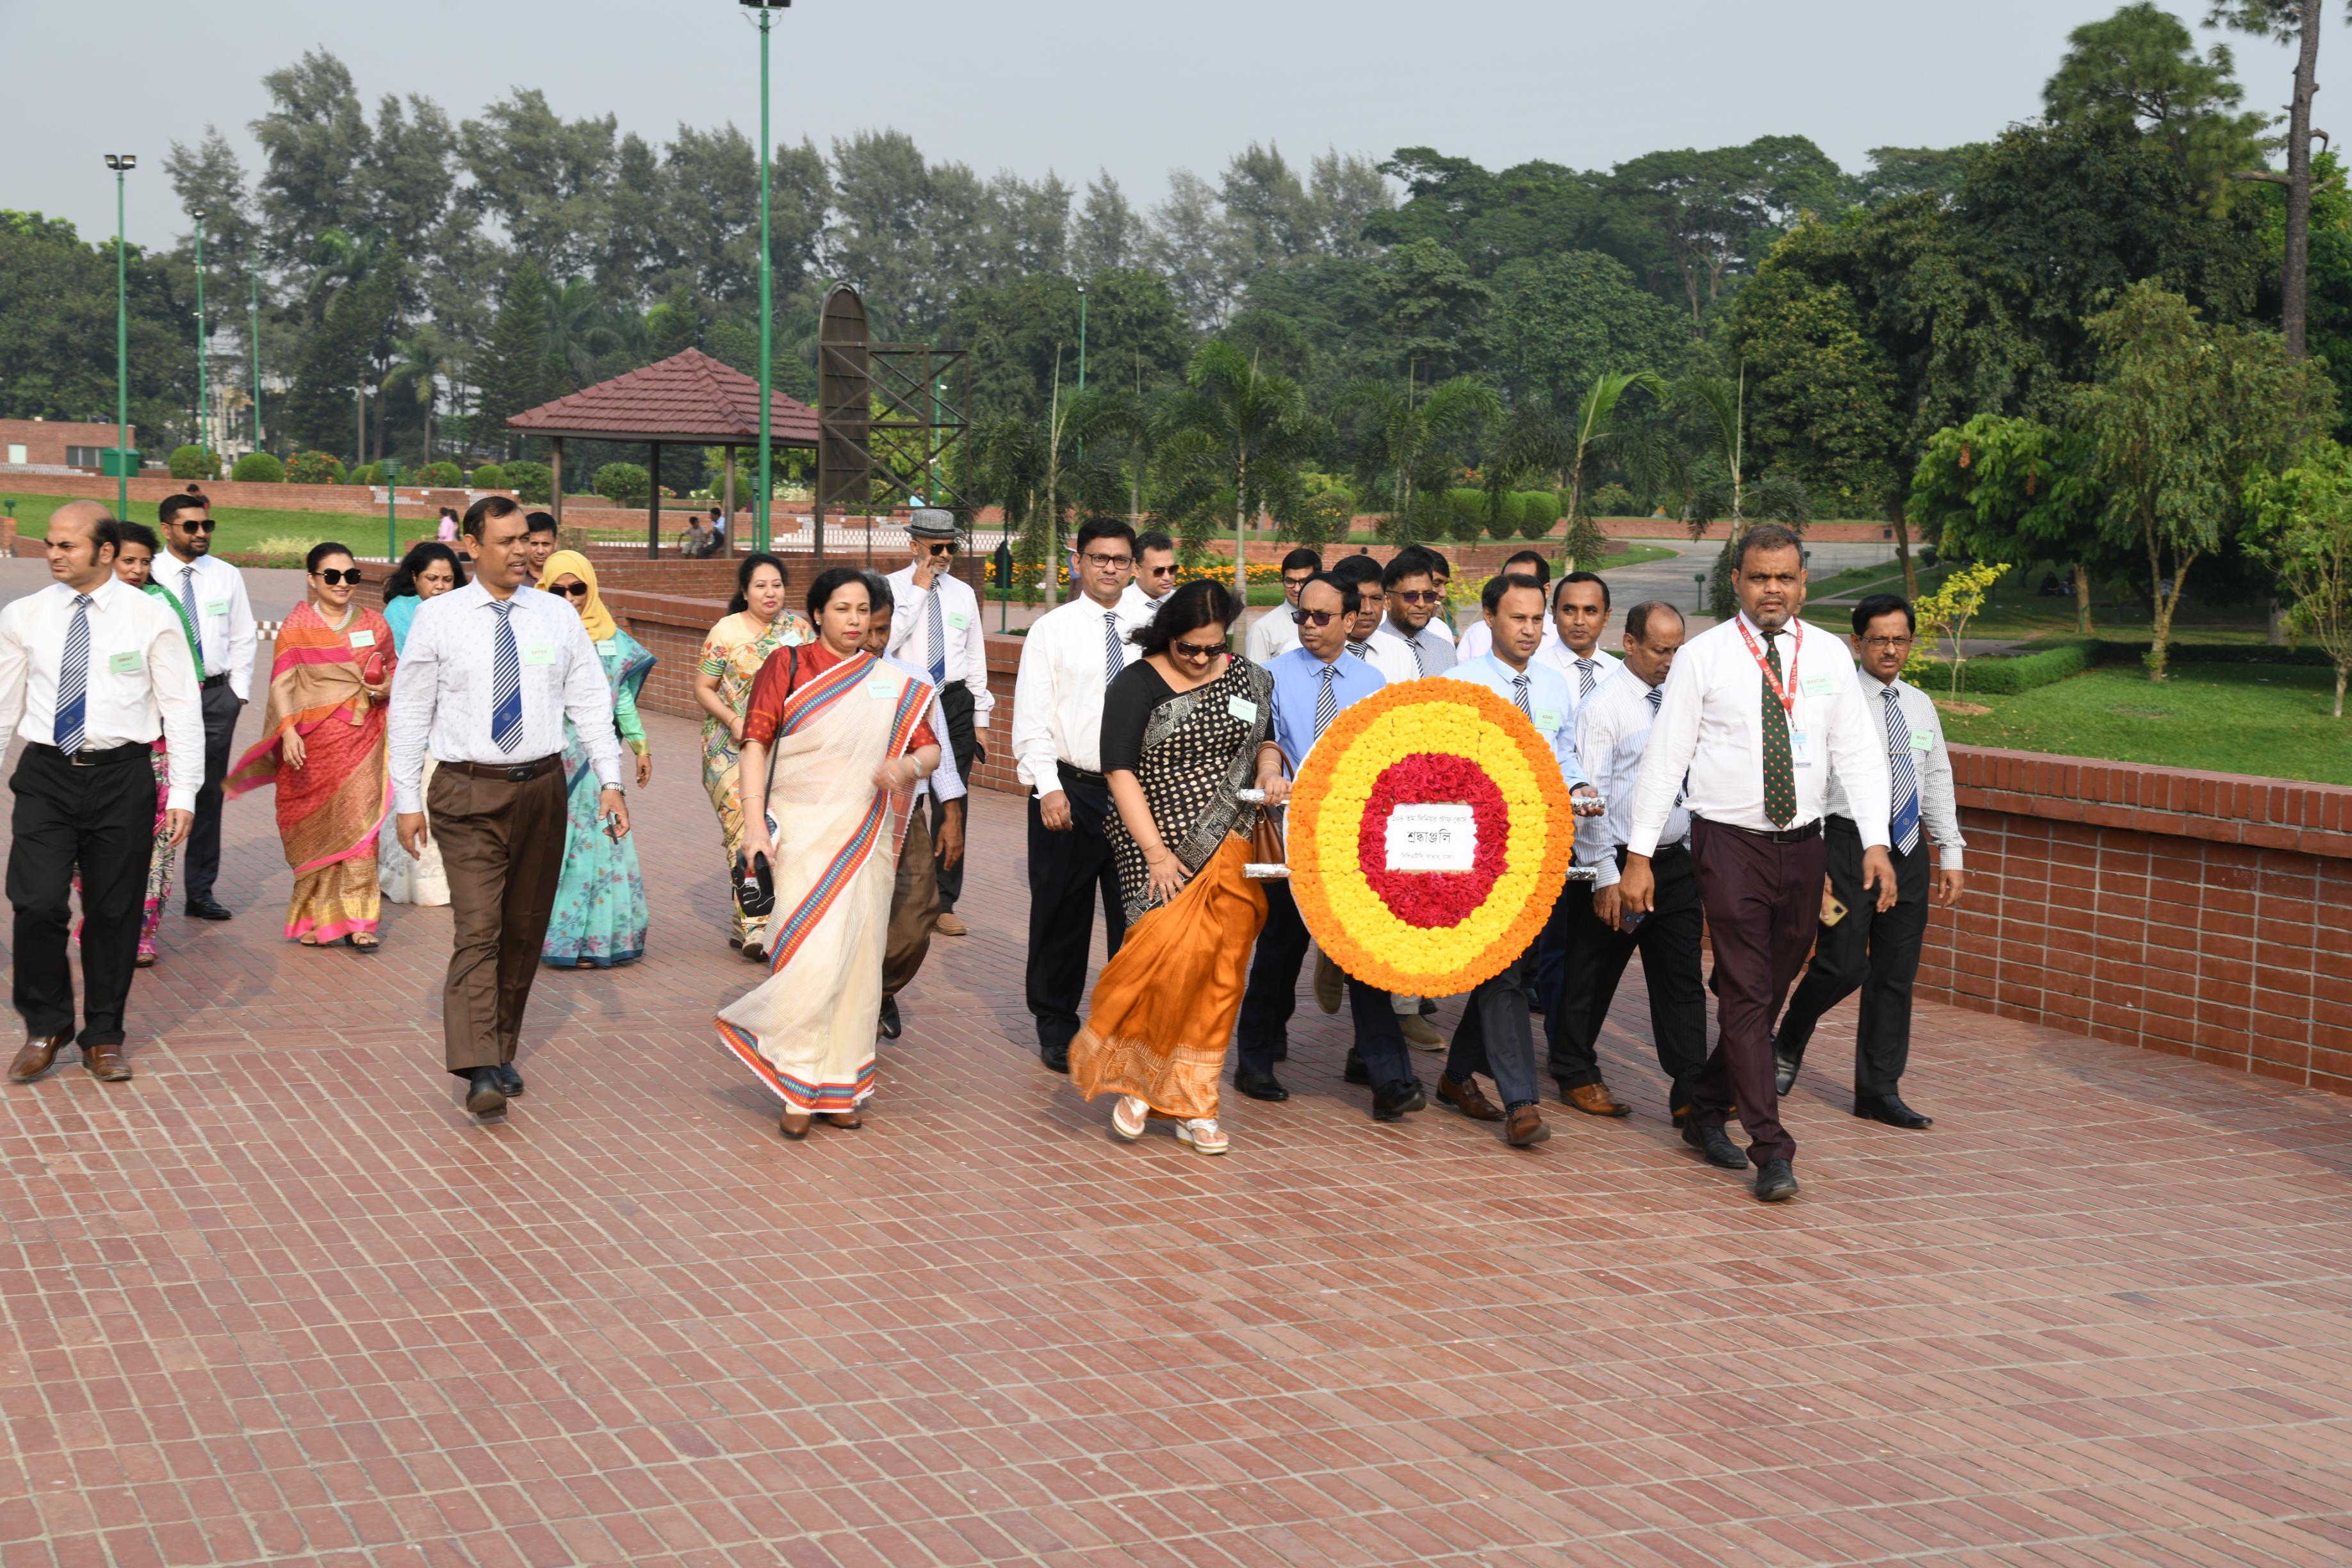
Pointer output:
515, 371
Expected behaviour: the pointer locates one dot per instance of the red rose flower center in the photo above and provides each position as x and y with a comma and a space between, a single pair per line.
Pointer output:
1434, 899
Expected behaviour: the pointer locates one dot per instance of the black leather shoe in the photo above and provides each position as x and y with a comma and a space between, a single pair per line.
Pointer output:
1260, 1085
888, 1023
510, 1081
1056, 1057
1356, 1071
1890, 1109
1784, 1069
487, 1097
1398, 1106
207, 909
1534, 1000
1716, 1145
1776, 1182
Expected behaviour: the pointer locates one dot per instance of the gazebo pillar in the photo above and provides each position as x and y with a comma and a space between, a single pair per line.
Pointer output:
653, 508
729, 499
555, 480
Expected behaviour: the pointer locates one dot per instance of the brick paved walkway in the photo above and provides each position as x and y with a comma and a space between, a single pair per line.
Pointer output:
278, 1300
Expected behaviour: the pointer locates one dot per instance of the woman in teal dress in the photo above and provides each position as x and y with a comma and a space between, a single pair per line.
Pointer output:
600, 918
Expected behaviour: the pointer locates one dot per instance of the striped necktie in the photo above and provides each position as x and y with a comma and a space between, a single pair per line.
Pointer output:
1903, 826
73, 679
195, 620
1415, 644
1360, 648
935, 630
506, 683
1327, 701
1519, 695
1114, 655
1584, 667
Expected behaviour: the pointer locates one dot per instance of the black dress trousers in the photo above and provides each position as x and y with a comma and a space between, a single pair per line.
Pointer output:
963, 741
203, 861
1067, 870
98, 815
1668, 942
1272, 996
1877, 952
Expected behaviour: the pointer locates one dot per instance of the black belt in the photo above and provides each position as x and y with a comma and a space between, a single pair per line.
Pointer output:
106, 758
209, 681
1771, 836
1660, 853
1083, 775
513, 773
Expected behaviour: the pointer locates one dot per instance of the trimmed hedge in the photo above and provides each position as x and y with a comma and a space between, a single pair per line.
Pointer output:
1540, 511
2006, 675
259, 468
2214, 653
194, 463
1505, 523
440, 476
489, 476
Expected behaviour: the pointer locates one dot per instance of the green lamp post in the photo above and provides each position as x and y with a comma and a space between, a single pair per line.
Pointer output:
203, 403
765, 10
389, 471
253, 341
121, 163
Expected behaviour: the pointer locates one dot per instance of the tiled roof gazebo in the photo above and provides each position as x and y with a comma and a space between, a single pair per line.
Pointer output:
686, 399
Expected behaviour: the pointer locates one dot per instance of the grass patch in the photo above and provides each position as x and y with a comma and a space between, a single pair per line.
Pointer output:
1635, 555
2271, 721
245, 530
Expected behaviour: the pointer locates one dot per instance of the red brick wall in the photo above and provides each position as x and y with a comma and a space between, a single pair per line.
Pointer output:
45, 440
2204, 914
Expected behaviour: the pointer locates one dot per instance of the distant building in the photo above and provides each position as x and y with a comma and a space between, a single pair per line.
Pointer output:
53, 443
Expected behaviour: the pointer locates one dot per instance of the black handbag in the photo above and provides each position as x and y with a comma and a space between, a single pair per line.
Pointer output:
755, 887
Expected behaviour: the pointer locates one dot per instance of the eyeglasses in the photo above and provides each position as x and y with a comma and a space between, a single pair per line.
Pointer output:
1418, 596
1315, 617
1198, 649
196, 524
576, 588
1106, 561
334, 579
1886, 642
943, 547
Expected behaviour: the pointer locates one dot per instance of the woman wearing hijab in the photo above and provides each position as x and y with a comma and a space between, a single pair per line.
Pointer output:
601, 918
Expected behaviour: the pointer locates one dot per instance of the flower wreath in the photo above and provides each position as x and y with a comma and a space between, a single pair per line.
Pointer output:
1428, 742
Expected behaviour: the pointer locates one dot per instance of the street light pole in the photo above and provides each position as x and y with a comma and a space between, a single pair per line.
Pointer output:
204, 406
121, 163
1082, 337
253, 339
767, 484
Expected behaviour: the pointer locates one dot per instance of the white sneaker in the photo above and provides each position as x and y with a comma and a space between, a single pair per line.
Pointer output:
1203, 1134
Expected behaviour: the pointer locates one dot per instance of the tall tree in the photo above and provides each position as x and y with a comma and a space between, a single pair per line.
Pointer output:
1412, 440
514, 372
2303, 533
1555, 323
2297, 20
2141, 66
2003, 488
1109, 234
1252, 429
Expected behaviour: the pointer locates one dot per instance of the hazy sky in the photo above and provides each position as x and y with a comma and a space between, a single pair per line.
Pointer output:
1064, 84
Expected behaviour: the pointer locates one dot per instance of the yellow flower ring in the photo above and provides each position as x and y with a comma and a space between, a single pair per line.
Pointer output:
1431, 933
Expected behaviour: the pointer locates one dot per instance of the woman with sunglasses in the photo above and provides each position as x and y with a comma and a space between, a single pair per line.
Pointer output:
426, 571
599, 918
323, 745
757, 624
1180, 730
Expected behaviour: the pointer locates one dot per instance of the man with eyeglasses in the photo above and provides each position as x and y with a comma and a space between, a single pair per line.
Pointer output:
935, 631
1409, 583
1875, 950
1312, 683
1274, 634
1155, 574
1386, 655
211, 593
1068, 660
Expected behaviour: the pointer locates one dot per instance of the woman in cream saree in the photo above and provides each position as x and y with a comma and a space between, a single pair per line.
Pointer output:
834, 741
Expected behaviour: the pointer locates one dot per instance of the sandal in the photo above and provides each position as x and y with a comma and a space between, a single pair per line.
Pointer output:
849, 1119
794, 1124
1203, 1134
1129, 1117
754, 954
369, 946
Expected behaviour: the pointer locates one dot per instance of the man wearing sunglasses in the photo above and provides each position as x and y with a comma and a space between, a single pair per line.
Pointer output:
1274, 634
936, 633
212, 592
1410, 582
1155, 575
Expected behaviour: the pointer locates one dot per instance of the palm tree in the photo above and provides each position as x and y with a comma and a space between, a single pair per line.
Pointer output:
1037, 468
1252, 428
420, 361
1411, 443
1538, 439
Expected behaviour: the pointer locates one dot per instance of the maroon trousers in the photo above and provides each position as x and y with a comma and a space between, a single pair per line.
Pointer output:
1763, 903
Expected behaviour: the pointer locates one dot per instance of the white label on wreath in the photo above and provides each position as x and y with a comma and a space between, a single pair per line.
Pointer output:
1429, 838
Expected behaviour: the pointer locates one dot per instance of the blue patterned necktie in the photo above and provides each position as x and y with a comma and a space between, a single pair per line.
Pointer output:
1519, 696
935, 629
1903, 826
1327, 701
73, 679
506, 683
1115, 656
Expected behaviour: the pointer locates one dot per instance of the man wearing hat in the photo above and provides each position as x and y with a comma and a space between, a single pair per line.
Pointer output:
936, 630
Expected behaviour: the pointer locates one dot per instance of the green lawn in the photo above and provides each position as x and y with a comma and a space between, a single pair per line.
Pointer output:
2267, 720
243, 529
1635, 555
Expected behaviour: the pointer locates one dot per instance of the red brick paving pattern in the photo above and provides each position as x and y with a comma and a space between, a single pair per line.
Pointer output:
279, 1300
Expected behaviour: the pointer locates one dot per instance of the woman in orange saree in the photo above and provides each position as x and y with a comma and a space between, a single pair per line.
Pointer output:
323, 746
1181, 727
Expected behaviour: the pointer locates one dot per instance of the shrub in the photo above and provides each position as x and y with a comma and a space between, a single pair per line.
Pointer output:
315, 468
627, 483
532, 482
440, 476
1539, 510
2006, 675
489, 476
259, 468
366, 474
194, 463
1503, 514
1466, 515
1613, 499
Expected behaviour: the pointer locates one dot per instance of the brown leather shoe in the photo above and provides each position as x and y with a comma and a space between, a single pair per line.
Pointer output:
794, 1124
105, 1063
1526, 1128
948, 924
35, 1059
1467, 1098
1594, 1100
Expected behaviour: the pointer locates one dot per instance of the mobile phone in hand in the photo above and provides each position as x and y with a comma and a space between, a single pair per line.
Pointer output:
1832, 911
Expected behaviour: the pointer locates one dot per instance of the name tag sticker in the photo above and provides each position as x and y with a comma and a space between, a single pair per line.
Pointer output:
1821, 683
957, 619
1242, 709
608, 645
1546, 720
124, 663
538, 654
216, 606
1922, 741
880, 691
364, 638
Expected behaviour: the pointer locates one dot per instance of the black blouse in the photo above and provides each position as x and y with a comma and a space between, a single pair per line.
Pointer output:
1126, 712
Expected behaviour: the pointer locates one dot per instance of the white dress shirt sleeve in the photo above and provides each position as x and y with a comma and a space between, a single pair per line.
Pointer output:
1857, 751
414, 681
1596, 740
1674, 741
946, 783
1034, 759
172, 672
243, 636
16, 668
588, 702
968, 656
1939, 801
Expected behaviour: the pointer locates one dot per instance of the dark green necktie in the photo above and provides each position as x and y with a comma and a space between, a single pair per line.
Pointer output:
1780, 774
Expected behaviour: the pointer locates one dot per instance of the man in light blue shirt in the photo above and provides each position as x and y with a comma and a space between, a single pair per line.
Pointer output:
1496, 1035
1312, 683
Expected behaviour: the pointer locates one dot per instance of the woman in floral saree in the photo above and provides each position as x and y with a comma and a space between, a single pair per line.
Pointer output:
757, 624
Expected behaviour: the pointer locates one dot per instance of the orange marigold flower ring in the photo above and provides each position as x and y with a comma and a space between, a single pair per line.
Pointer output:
1429, 835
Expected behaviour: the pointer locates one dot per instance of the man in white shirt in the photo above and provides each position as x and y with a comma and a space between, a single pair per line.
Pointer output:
1476, 640
91, 671
1878, 951
914, 895
1612, 733
1068, 659
1274, 634
487, 676
1579, 613
938, 635
214, 594
1757, 713
1155, 575
1406, 636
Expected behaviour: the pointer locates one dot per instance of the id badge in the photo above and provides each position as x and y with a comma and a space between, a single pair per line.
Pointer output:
880, 691
1801, 748
1819, 683
1921, 740
127, 663
1242, 709
538, 654
958, 620
364, 638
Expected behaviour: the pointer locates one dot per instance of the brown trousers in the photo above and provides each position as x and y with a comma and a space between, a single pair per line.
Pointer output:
502, 848
1763, 904
913, 909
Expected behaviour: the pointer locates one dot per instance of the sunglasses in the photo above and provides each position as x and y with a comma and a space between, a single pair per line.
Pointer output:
576, 588
1418, 596
195, 525
1198, 649
1315, 617
947, 547
334, 579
